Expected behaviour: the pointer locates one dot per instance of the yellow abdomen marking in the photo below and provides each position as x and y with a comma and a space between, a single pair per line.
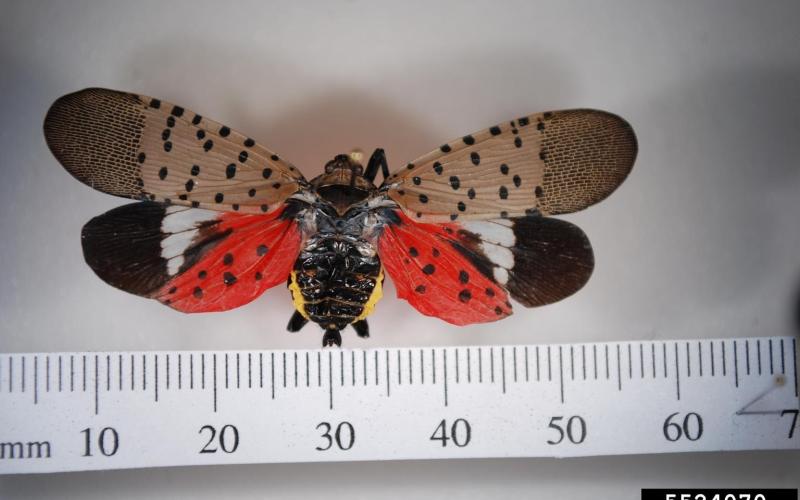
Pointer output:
376, 295
299, 301
297, 297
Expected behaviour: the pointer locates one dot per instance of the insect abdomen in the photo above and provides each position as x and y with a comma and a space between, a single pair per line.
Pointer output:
334, 285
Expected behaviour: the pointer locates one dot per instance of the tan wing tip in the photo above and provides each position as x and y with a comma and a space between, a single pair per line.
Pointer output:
94, 134
68, 110
587, 154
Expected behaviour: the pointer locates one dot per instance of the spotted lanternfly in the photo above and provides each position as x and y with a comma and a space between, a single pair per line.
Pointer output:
460, 230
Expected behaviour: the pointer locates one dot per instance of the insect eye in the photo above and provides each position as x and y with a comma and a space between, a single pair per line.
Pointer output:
328, 168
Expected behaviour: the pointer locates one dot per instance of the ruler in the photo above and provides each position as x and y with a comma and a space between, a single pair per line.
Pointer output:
113, 410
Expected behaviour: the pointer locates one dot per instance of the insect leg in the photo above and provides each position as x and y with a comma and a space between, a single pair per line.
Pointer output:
297, 322
377, 160
362, 328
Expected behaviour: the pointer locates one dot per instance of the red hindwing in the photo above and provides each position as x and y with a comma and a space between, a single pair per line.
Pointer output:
430, 270
257, 253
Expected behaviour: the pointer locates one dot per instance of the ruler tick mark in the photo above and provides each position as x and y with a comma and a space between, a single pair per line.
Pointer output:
283, 364
724, 361
747, 356
71, 374
35, 379
469, 365
214, 369
457, 368
180, 371
758, 354
677, 373
783, 362
238, 371
226, 370
771, 364
364, 358
480, 365
514, 351
630, 363
83, 369
664, 352
571, 363
561, 373
410, 368
794, 364
594, 358
583, 359
60, 378
433, 365
502, 366
96, 389
47, 374
377, 374
444, 361
619, 369
608, 369
272, 372
549, 366
319, 369
341, 368
330, 379
527, 370
688, 362
308, 371
491, 364
422, 366
388, 381
735, 364
155, 377
700, 356
653, 357
166, 378
249, 370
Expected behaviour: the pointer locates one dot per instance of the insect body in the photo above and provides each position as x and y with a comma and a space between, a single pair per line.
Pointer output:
337, 278
461, 230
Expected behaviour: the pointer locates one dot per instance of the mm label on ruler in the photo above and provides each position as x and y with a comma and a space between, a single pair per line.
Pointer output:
111, 410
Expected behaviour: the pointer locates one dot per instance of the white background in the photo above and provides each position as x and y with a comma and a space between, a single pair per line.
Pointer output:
701, 240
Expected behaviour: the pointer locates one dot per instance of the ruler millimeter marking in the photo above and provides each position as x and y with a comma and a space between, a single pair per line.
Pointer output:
84, 411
